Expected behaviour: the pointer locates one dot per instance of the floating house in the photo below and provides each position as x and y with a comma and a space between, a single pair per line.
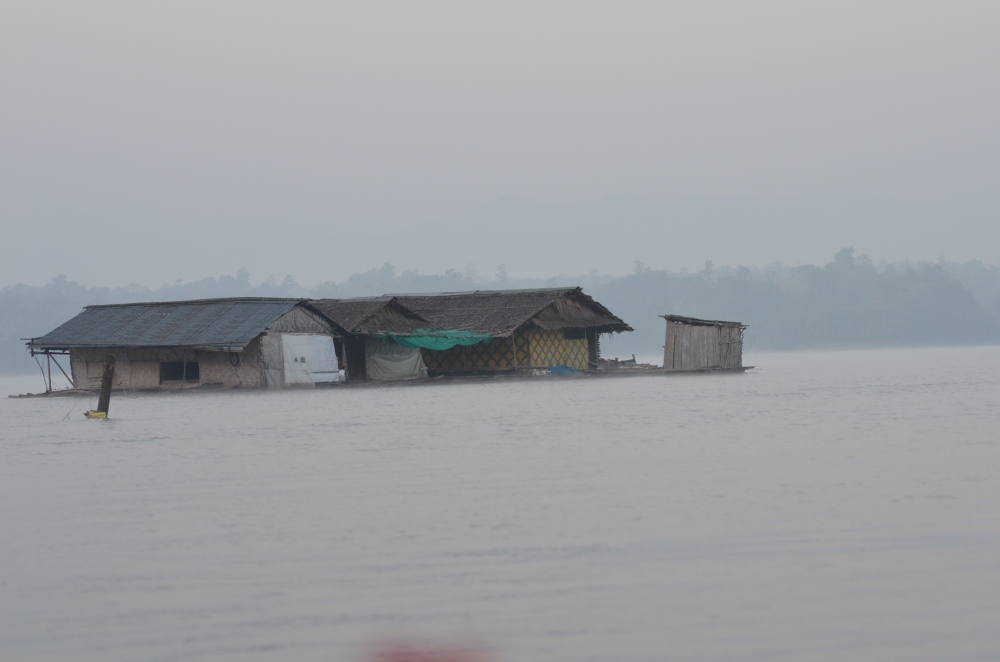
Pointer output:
259, 342
248, 342
508, 331
696, 344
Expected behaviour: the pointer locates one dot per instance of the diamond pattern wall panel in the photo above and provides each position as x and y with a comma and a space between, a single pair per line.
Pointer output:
536, 348
550, 348
495, 355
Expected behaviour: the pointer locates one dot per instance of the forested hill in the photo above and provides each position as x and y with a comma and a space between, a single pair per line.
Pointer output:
848, 302
845, 303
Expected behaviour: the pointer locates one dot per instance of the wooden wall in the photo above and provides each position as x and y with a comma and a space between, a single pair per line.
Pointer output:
299, 320
698, 347
140, 368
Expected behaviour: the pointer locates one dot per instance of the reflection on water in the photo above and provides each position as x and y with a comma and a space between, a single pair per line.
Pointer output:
828, 506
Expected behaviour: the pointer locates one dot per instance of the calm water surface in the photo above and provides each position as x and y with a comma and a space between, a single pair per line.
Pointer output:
828, 506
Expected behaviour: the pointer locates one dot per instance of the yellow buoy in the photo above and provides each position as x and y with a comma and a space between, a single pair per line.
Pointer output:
96, 414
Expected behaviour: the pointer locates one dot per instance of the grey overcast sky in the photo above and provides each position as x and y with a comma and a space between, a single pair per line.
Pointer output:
153, 141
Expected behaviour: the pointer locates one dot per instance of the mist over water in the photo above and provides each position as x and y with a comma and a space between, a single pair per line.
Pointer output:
826, 506
825, 173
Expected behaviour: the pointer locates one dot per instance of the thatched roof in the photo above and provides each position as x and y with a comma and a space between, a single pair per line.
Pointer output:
370, 315
499, 312
205, 323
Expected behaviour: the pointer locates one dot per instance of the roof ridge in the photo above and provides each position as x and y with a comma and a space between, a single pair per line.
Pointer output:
201, 301
375, 297
700, 321
567, 288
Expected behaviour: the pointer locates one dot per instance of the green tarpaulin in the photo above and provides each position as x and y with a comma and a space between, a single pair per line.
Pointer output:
436, 338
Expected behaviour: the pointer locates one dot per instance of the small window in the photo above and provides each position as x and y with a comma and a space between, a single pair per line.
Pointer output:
179, 371
575, 334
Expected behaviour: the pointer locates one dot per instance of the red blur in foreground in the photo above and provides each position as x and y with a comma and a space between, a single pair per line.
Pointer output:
404, 653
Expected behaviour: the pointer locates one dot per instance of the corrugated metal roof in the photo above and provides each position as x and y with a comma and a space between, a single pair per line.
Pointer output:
218, 323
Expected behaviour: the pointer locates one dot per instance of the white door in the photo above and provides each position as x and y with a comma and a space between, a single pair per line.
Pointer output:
309, 359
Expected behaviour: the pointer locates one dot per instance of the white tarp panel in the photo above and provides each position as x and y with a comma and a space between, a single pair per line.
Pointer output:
309, 359
298, 359
386, 361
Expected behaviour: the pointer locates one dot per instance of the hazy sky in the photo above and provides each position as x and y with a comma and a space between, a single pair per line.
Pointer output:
154, 141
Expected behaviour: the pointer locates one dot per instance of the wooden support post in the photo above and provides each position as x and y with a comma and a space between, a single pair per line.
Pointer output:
513, 345
48, 364
104, 401
669, 341
106, 382
593, 351
71, 383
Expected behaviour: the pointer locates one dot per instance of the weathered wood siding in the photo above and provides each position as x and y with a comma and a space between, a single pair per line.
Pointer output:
299, 320
732, 353
140, 368
701, 347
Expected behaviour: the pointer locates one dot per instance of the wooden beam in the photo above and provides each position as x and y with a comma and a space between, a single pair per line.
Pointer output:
68, 378
107, 379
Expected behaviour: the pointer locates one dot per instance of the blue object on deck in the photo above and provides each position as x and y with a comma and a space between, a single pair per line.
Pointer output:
562, 371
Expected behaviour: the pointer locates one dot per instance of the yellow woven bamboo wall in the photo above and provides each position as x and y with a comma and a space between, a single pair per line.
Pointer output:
550, 348
495, 355
536, 348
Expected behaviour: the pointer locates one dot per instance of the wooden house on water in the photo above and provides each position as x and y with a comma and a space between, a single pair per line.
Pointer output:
241, 342
258, 342
510, 331
406, 336
696, 344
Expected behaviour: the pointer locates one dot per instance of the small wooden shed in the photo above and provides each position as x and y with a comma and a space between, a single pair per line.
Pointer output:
696, 344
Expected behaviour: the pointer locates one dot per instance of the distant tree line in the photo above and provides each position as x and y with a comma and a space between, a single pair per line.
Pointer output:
849, 302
